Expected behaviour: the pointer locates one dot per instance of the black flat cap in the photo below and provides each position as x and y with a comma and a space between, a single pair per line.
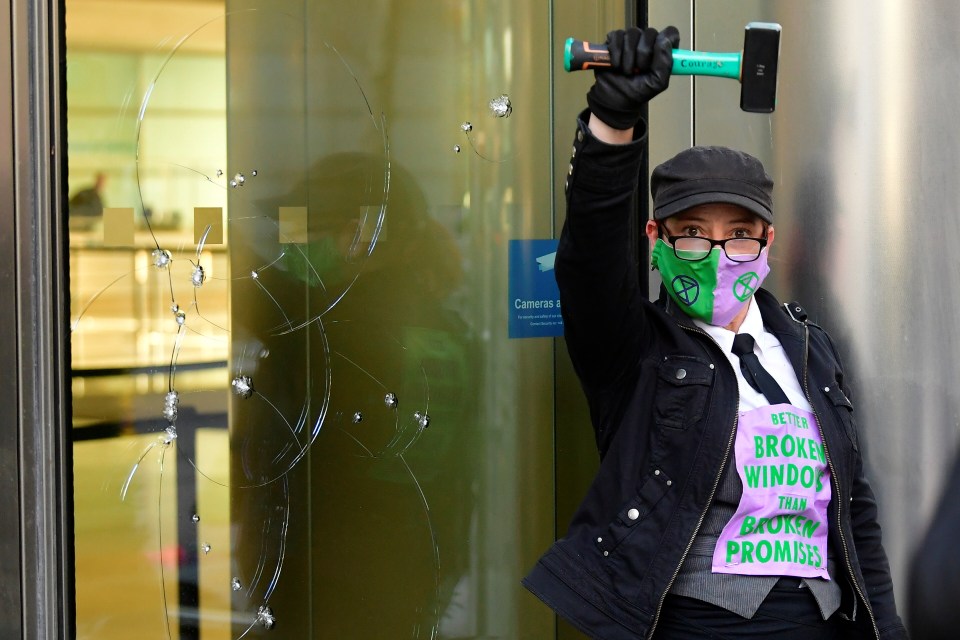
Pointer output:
702, 175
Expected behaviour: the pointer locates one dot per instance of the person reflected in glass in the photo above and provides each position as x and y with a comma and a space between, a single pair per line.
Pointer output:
383, 277
731, 500
86, 205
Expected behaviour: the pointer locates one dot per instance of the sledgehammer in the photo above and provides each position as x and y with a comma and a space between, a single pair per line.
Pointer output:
755, 67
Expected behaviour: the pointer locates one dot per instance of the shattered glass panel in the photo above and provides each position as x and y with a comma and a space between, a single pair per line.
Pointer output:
296, 411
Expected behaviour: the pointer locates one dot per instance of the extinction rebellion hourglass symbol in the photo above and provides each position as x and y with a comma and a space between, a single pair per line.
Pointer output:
686, 288
745, 285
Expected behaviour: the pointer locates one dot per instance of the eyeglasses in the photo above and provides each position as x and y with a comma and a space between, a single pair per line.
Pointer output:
695, 248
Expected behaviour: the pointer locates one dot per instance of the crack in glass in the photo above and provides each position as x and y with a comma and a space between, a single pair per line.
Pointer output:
500, 108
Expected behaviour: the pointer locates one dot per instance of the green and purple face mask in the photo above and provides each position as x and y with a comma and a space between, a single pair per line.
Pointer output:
714, 289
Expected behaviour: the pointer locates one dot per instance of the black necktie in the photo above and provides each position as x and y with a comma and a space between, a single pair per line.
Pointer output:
753, 371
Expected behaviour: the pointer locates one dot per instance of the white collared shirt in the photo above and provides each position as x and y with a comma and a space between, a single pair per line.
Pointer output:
771, 355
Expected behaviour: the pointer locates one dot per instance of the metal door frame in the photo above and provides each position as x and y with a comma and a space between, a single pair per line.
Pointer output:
36, 558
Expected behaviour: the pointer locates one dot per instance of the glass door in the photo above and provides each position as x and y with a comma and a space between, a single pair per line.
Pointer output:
298, 408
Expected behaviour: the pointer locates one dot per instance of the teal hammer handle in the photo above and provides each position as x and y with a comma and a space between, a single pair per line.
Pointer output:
703, 63
579, 55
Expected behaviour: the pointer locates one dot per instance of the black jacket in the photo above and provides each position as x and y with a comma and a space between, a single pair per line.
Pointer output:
664, 438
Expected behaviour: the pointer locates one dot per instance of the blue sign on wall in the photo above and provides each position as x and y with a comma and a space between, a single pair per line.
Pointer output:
534, 297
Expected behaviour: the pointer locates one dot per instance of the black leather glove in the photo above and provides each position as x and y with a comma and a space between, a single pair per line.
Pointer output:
641, 61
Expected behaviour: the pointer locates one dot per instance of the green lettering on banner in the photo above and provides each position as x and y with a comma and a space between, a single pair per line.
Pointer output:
821, 455
753, 475
792, 503
792, 464
788, 525
806, 476
784, 442
764, 551
775, 520
781, 551
776, 475
733, 548
772, 446
760, 525
793, 474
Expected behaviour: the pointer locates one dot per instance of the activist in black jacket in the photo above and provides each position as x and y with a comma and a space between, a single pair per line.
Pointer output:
664, 438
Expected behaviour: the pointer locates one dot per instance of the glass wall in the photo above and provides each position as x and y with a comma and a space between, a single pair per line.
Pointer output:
297, 409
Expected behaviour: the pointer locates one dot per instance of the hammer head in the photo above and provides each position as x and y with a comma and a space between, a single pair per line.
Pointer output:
758, 70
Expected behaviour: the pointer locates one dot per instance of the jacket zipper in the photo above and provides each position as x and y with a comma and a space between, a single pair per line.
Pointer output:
836, 479
713, 491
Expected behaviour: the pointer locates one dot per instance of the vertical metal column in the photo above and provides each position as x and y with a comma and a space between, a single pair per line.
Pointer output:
10, 592
33, 340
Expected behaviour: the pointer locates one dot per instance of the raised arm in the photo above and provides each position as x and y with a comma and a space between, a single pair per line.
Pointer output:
599, 290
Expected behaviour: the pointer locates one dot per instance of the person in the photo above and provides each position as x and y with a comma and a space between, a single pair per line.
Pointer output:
934, 580
724, 506
86, 205
88, 202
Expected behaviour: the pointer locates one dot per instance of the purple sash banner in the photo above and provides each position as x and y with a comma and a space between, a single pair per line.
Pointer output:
780, 527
